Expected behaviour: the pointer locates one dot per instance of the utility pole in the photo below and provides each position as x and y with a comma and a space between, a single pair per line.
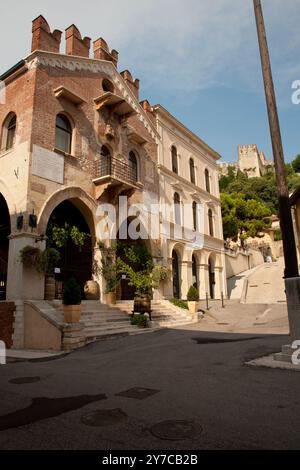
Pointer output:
291, 274
286, 223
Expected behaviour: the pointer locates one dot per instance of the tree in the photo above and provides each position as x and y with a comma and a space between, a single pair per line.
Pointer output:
296, 164
242, 217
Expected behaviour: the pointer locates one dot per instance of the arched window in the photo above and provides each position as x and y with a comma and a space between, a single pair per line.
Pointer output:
63, 134
207, 181
195, 272
107, 85
210, 222
9, 132
174, 160
105, 161
192, 171
177, 209
133, 170
195, 224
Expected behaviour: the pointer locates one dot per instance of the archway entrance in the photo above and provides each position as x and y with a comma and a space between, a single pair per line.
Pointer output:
195, 272
176, 275
212, 277
125, 291
5, 231
75, 261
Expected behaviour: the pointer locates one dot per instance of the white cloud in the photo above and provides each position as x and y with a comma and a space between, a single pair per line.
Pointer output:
173, 45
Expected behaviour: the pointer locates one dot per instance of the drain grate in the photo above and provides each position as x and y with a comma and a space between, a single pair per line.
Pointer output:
175, 430
104, 417
138, 393
24, 380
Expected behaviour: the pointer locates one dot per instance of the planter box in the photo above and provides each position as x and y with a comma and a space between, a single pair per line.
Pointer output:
193, 307
111, 298
72, 313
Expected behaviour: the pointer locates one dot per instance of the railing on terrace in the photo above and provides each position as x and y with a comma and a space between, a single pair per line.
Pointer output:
115, 168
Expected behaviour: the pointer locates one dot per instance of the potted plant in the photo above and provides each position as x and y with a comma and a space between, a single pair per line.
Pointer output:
30, 256
72, 301
109, 272
50, 258
193, 299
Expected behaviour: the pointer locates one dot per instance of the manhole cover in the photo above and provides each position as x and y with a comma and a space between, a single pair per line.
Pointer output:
175, 430
24, 380
104, 417
138, 393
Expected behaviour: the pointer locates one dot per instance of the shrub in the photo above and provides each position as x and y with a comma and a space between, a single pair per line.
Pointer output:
72, 294
193, 294
31, 256
140, 320
179, 303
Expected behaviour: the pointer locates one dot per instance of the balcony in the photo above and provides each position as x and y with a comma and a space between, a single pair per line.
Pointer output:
110, 173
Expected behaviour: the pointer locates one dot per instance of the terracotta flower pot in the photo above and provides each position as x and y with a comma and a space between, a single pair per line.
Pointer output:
110, 298
142, 304
49, 288
193, 306
72, 313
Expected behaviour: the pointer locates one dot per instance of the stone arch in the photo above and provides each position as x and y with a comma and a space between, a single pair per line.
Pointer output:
179, 247
5, 221
5, 191
84, 203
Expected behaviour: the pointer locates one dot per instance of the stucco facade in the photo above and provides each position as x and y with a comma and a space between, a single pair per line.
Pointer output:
75, 137
199, 249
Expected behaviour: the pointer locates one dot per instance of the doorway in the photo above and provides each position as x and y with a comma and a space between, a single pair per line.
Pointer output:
176, 275
5, 231
75, 261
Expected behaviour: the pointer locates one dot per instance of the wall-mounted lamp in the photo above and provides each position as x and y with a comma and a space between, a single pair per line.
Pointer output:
32, 222
20, 222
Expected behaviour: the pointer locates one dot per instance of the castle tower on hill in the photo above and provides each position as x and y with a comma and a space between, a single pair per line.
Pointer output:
253, 162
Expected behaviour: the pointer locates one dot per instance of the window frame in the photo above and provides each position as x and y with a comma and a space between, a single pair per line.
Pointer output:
68, 132
174, 160
192, 171
211, 223
7, 127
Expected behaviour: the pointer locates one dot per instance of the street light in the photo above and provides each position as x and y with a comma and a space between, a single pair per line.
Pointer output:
291, 273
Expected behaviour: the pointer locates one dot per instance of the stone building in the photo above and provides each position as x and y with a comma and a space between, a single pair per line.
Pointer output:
250, 161
188, 175
74, 138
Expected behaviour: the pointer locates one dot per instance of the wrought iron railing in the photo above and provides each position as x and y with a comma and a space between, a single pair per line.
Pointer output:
115, 168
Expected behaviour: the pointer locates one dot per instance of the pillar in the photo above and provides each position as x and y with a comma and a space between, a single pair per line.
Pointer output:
23, 283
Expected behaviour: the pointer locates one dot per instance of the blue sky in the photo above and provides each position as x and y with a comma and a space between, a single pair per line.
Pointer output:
198, 58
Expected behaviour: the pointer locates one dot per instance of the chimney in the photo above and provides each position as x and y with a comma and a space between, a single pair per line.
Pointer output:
101, 51
75, 45
146, 106
134, 85
42, 38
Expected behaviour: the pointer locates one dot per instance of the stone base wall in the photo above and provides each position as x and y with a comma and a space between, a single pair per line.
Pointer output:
7, 310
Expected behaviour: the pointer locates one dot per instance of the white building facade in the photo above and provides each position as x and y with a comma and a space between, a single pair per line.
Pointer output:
190, 211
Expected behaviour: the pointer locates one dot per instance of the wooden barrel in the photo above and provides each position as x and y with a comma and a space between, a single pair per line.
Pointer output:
49, 288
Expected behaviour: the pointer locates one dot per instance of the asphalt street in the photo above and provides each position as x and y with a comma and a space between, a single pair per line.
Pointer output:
171, 389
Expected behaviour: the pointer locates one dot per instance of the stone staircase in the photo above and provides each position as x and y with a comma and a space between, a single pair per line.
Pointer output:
100, 321
164, 314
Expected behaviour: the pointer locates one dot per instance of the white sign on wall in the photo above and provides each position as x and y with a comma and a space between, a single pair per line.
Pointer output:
47, 164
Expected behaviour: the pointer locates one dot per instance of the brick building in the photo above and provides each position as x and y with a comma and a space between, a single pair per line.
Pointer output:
74, 136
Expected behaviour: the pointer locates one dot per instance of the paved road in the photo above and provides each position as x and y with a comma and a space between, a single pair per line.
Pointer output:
200, 377
266, 284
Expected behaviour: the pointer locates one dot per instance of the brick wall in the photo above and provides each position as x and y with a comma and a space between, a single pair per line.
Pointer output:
7, 310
